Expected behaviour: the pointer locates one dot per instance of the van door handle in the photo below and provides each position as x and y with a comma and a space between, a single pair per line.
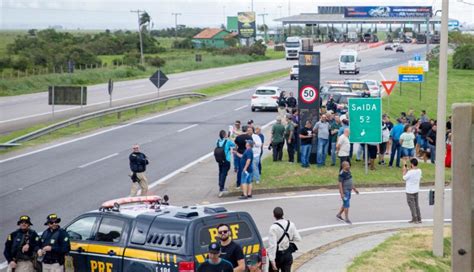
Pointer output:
111, 252
80, 249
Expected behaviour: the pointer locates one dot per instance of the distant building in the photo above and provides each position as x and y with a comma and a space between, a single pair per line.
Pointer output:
212, 38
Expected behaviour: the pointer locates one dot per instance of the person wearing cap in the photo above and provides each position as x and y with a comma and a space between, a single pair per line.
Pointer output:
138, 163
254, 263
20, 246
214, 263
247, 169
54, 245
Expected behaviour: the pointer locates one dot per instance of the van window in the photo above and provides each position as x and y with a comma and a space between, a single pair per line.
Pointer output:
347, 58
239, 231
265, 92
110, 230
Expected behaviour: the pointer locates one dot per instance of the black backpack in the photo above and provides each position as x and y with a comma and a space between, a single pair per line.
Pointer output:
219, 152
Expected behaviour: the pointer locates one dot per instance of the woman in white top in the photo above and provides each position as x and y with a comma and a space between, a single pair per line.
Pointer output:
407, 141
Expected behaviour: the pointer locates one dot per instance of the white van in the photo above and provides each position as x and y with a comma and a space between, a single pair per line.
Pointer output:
349, 62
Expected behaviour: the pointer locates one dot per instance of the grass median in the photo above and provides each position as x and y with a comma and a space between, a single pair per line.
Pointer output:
408, 250
111, 119
284, 174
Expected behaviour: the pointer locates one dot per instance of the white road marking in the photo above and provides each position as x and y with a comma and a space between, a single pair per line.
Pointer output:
381, 75
188, 127
99, 160
310, 196
239, 108
358, 224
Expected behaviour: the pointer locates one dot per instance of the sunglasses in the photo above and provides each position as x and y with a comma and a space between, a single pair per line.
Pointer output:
223, 232
53, 222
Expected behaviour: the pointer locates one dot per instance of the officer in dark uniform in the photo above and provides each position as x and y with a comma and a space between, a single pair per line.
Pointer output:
54, 245
20, 246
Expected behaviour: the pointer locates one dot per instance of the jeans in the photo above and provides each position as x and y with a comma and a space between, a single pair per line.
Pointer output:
291, 150
305, 151
432, 152
236, 162
395, 149
360, 152
256, 173
412, 200
322, 151
277, 151
223, 170
333, 153
239, 172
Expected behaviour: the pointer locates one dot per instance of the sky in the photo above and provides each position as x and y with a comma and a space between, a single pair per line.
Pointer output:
116, 14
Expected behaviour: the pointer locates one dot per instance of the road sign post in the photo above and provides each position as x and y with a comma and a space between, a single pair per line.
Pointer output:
110, 90
158, 79
308, 92
365, 121
410, 74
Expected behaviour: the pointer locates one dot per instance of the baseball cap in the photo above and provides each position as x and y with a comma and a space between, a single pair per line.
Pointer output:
250, 142
214, 248
253, 260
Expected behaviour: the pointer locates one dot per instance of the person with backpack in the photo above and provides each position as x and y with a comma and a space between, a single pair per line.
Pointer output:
223, 154
281, 238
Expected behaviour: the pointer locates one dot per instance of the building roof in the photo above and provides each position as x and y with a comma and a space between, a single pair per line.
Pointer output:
208, 33
316, 18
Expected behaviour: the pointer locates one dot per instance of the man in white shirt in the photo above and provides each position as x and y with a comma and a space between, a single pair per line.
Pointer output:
282, 233
343, 147
412, 178
256, 149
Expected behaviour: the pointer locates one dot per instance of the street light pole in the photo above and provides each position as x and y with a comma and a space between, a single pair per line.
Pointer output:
438, 224
176, 24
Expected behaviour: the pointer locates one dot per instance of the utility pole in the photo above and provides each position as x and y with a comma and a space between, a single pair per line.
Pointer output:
427, 37
264, 25
289, 8
176, 24
140, 35
251, 5
438, 223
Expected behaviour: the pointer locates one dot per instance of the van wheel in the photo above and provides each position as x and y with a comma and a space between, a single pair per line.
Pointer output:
253, 109
340, 72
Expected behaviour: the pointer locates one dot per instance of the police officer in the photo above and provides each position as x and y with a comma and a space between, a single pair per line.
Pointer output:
20, 246
54, 245
138, 163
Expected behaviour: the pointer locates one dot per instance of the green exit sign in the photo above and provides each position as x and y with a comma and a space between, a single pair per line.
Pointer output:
365, 120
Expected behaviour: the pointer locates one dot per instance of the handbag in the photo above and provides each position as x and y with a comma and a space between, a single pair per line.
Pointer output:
292, 247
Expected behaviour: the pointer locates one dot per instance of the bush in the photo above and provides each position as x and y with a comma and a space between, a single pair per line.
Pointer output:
463, 57
131, 58
258, 48
279, 47
21, 64
182, 44
155, 61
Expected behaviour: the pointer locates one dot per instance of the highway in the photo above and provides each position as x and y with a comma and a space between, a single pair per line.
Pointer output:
76, 175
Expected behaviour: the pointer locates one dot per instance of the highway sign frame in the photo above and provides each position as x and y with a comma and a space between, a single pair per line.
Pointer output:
311, 89
365, 120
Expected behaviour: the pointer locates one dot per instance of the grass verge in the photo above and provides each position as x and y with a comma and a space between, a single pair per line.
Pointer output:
408, 250
285, 174
112, 119
460, 86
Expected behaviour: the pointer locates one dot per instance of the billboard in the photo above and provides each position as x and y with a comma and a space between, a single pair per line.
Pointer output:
388, 11
246, 24
67, 95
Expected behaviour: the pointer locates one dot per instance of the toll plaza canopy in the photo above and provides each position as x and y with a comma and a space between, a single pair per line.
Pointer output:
365, 15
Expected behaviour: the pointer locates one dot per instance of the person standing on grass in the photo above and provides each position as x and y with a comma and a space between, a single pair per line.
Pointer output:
343, 148
290, 138
278, 139
241, 141
246, 165
395, 142
407, 141
226, 144
322, 129
257, 149
258, 131
431, 138
334, 131
383, 144
345, 188
412, 178
306, 138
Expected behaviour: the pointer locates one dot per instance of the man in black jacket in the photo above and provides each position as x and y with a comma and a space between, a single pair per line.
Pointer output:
291, 102
54, 245
20, 246
138, 163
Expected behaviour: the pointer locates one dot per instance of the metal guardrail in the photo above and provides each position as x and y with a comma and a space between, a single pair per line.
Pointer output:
92, 115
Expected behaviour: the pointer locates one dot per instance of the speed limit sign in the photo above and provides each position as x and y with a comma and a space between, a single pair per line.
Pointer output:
308, 94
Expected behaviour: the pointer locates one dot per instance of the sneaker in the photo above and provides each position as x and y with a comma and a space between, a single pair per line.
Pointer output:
221, 194
249, 196
340, 217
348, 221
243, 197
418, 222
412, 221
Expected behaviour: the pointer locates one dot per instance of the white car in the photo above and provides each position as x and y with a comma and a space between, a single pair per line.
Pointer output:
294, 71
265, 97
375, 88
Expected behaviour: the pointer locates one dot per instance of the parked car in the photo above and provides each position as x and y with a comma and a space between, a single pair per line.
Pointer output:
294, 71
375, 88
358, 86
389, 47
265, 98
400, 49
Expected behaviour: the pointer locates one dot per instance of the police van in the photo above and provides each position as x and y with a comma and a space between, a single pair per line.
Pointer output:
141, 234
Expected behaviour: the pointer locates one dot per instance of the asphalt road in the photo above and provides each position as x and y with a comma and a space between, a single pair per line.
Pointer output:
25, 110
77, 175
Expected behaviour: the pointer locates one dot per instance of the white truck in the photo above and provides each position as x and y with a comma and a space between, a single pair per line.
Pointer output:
294, 45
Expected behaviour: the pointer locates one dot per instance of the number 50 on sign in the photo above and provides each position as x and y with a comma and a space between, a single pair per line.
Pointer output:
308, 94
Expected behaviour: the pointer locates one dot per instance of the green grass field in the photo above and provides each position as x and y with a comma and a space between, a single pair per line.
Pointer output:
460, 89
408, 250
